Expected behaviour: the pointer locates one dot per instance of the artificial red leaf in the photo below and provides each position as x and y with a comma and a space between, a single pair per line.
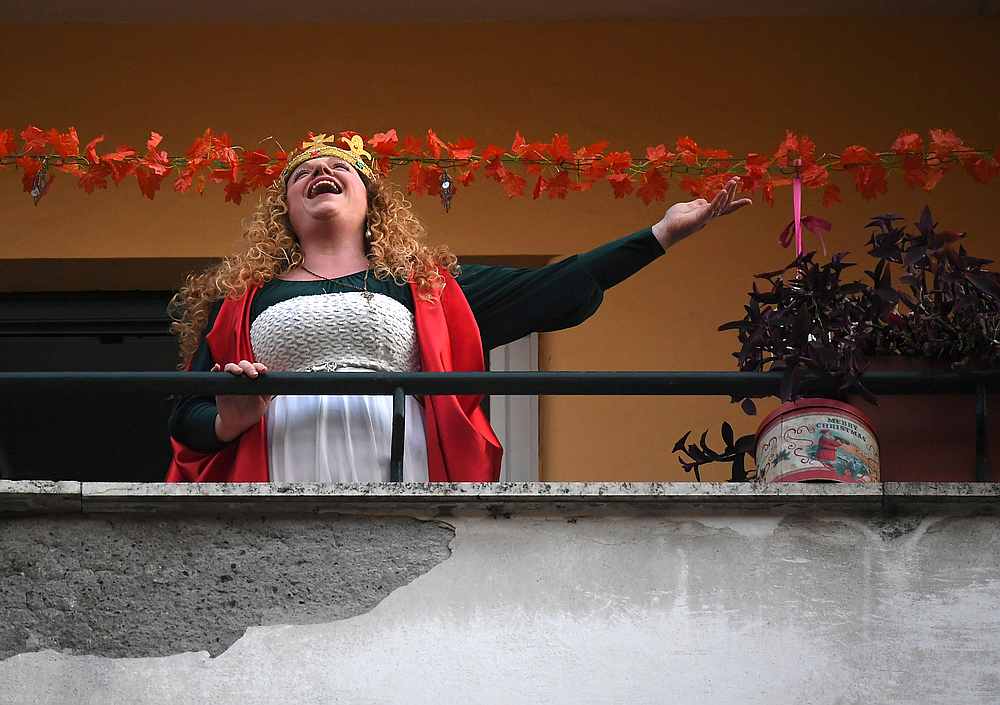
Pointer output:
658, 154
228, 175
258, 171
982, 169
559, 150
694, 185
96, 177
621, 184
34, 140
156, 160
944, 142
529, 152
688, 150
908, 142
91, 150
462, 149
767, 191
384, 143
795, 147
717, 154
201, 148
183, 181
815, 176
412, 146
6, 142
653, 187
235, 191
222, 149
513, 184
914, 170
934, 175
856, 155
149, 181
31, 167
831, 195
714, 183
65, 144
120, 162
416, 181
591, 150
492, 152
870, 180
539, 187
496, 170
435, 144
756, 171
467, 176
559, 185
618, 161
597, 169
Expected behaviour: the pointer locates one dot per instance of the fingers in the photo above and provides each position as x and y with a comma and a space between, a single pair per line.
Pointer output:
243, 367
723, 203
736, 205
715, 207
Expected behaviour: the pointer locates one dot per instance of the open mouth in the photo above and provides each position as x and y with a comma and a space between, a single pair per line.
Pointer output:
323, 185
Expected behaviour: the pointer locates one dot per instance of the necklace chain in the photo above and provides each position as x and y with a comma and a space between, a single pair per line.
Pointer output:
364, 290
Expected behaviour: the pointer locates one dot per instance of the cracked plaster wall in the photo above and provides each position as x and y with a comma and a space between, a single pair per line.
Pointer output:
708, 606
128, 585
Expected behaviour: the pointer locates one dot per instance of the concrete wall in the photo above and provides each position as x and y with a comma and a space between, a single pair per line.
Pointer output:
731, 83
499, 594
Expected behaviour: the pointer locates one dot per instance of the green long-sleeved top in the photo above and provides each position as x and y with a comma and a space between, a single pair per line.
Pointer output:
507, 302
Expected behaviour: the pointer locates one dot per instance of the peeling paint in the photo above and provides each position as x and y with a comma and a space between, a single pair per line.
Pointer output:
138, 586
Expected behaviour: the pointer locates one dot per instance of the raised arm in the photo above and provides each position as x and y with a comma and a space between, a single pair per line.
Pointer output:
511, 302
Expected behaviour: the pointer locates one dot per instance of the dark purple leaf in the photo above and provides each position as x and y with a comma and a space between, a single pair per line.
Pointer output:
727, 434
746, 444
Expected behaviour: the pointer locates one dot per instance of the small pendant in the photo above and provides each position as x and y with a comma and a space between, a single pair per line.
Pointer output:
368, 296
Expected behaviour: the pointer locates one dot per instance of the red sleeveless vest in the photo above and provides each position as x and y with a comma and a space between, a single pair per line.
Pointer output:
461, 445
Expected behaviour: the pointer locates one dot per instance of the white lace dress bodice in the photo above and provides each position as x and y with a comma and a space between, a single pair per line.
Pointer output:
325, 438
328, 332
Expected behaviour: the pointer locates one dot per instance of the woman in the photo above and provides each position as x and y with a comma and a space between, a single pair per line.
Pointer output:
337, 277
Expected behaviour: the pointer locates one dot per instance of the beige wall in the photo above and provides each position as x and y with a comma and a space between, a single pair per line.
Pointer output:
736, 84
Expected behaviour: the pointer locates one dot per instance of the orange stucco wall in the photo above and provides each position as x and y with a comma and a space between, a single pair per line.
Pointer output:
736, 84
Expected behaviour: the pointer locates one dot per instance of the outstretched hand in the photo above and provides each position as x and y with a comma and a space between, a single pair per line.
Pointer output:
684, 219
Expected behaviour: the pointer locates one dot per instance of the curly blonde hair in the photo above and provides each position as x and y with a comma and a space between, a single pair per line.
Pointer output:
395, 248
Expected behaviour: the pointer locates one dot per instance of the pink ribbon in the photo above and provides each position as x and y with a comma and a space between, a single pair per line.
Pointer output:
797, 208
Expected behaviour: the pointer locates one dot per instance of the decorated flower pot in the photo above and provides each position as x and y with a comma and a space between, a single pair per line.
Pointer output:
817, 440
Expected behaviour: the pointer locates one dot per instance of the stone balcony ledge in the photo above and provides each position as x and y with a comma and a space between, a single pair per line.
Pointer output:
444, 499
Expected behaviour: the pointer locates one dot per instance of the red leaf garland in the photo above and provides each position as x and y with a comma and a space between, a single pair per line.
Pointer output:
556, 167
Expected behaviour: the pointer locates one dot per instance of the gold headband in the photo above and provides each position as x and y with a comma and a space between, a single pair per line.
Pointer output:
324, 146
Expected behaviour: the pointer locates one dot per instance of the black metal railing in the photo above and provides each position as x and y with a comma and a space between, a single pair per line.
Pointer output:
399, 385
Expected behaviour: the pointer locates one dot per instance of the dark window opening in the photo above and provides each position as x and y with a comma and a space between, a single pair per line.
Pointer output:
99, 437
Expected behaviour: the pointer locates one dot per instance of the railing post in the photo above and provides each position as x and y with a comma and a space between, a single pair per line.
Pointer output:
398, 435
982, 436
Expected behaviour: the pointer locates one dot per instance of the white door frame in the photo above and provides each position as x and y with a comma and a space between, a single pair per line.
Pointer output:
515, 417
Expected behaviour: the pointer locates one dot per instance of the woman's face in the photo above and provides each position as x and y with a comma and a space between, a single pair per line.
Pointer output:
326, 188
